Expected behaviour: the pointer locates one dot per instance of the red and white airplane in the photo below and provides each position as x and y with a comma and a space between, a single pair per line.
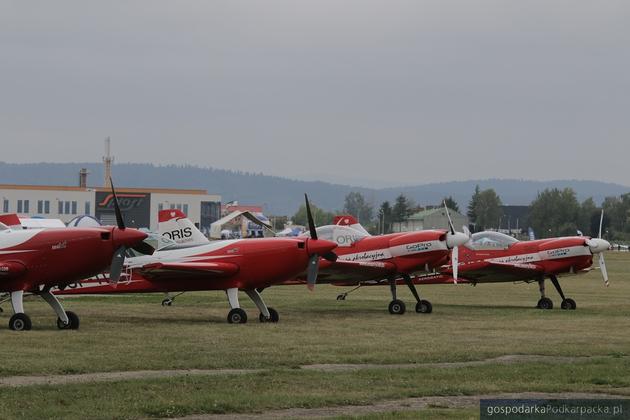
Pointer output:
35, 260
491, 257
364, 258
232, 265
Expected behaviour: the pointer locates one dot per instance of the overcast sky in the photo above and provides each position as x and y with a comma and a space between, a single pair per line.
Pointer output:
378, 92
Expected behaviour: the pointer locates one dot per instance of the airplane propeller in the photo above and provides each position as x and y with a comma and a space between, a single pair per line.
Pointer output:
453, 241
313, 262
598, 246
118, 259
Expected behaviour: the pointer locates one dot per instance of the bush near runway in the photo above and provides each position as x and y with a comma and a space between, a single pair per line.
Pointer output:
468, 323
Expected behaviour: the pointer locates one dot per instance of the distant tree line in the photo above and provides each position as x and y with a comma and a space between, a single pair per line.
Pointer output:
553, 212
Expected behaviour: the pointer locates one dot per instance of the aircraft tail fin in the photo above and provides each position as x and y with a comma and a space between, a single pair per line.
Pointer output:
349, 220
174, 225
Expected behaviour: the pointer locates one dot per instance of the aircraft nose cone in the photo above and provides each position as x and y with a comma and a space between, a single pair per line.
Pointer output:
598, 245
319, 246
456, 239
128, 237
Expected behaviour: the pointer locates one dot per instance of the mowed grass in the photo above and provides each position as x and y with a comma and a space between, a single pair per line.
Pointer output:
286, 389
468, 323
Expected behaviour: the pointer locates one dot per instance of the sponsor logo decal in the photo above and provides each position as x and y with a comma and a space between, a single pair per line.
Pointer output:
60, 245
418, 247
176, 234
557, 253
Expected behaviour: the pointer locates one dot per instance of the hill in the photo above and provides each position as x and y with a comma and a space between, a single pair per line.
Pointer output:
282, 195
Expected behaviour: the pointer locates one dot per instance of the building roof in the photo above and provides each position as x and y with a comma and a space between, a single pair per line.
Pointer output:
421, 215
100, 189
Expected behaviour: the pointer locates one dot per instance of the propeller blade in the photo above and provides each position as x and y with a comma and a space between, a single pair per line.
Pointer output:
602, 267
309, 216
601, 221
144, 248
450, 222
119, 218
330, 256
312, 271
115, 269
455, 261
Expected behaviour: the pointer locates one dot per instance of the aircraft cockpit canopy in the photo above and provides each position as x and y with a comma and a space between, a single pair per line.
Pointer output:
491, 240
343, 236
157, 241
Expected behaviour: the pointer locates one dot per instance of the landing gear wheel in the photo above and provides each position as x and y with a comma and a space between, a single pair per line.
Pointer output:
545, 303
341, 296
167, 302
273, 316
568, 304
424, 307
73, 322
397, 307
20, 322
237, 316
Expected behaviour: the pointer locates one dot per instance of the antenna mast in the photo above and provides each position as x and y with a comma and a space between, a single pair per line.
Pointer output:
108, 159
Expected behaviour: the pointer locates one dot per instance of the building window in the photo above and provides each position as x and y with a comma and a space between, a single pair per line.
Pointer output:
47, 207
160, 207
5, 206
186, 209
26, 209
60, 210
87, 208
40, 206
74, 207
19, 206
66, 207
172, 206
179, 207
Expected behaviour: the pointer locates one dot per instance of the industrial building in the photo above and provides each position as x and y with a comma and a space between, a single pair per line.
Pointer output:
140, 206
430, 219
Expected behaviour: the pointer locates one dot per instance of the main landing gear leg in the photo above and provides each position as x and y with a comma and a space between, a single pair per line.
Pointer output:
566, 303
544, 302
66, 320
236, 315
422, 306
266, 314
19, 321
396, 306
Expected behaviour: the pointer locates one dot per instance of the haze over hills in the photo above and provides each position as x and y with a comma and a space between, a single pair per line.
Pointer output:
281, 196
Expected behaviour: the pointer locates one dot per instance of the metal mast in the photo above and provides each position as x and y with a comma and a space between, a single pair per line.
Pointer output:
108, 159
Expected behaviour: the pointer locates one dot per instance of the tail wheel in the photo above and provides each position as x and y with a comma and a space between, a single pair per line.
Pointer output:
237, 316
424, 307
273, 316
20, 322
397, 307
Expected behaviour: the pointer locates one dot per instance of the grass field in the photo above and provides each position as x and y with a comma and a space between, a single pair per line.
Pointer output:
128, 333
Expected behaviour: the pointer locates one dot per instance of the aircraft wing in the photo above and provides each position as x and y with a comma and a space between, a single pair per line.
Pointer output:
173, 270
353, 271
490, 271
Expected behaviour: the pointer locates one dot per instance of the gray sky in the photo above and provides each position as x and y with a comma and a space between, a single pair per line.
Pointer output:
388, 92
